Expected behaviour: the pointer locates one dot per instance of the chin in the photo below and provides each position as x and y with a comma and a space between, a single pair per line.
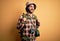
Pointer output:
32, 11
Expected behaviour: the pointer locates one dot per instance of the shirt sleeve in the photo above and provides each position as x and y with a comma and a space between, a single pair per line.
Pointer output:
20, 23
37, 23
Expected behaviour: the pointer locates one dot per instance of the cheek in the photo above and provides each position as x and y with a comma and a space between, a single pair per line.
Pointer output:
30, 8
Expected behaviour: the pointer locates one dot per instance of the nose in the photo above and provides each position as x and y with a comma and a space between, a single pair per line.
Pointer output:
32, 6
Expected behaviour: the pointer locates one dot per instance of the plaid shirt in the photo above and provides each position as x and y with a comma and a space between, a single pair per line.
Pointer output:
27, 22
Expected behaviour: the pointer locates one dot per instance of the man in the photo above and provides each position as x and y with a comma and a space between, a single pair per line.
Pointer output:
28, 23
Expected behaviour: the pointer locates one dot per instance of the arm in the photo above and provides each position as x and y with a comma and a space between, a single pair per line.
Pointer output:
37, 23
20, 23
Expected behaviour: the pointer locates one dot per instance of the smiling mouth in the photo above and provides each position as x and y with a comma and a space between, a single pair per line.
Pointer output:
32, 9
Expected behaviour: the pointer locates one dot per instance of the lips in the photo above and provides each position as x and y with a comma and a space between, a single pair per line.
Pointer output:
32, 9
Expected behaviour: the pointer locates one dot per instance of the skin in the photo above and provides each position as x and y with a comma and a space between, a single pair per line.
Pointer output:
31, 8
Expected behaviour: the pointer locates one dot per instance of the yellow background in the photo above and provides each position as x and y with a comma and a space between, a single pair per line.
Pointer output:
47, 12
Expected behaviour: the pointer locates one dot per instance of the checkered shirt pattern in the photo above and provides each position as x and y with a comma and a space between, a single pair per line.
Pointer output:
29, 22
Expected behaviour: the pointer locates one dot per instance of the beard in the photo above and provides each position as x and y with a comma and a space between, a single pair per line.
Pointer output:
30, 11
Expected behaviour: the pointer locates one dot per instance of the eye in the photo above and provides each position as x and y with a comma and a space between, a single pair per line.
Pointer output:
31, 5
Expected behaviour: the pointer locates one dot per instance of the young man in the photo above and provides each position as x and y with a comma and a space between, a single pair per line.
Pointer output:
28, 23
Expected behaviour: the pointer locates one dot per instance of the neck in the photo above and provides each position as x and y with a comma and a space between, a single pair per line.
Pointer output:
30, 14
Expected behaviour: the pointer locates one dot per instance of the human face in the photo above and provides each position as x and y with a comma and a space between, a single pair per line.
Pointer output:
31, 8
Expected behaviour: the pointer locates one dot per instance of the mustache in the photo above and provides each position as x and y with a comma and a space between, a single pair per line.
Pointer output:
32, 9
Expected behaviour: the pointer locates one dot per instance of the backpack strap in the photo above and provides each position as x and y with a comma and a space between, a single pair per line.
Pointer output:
24, 15
24, 18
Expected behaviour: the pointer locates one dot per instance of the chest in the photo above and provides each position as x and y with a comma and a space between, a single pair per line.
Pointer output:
30, 20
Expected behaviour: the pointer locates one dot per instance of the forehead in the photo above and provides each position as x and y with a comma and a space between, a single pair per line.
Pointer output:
31, 5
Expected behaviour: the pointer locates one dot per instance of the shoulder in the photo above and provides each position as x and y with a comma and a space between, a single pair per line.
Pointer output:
34, 16
23, 17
